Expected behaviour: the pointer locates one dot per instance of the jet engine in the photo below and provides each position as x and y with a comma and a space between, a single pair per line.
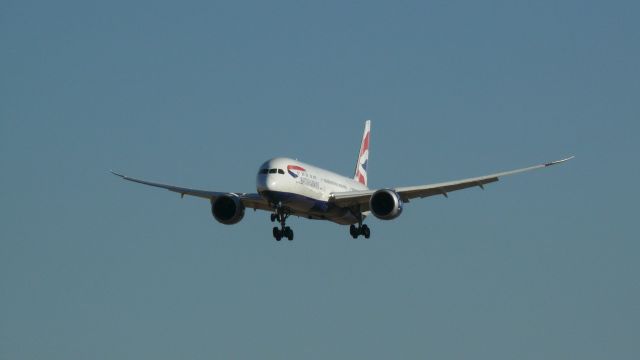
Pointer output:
227, 209
385, 204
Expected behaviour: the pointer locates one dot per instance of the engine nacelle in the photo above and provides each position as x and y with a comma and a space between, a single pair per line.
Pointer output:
227, 209
385, 204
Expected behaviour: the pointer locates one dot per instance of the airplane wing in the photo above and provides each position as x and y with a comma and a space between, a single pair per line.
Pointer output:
361, 198
254, 201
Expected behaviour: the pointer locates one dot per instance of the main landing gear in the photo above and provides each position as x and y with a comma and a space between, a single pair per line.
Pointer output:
361, 229
356, 231
281, 215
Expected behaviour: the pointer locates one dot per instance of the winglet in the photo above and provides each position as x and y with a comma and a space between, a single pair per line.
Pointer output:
559, 161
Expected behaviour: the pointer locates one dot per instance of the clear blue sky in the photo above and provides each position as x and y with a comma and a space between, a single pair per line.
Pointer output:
199, 93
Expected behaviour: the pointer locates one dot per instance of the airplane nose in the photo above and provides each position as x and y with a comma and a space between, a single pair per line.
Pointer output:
266, 182
261, 182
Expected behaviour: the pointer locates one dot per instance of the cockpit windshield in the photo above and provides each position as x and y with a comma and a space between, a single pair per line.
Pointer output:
271, 171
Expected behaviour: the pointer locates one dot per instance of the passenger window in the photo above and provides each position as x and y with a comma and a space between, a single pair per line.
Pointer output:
264, 171
273, 171
280, 171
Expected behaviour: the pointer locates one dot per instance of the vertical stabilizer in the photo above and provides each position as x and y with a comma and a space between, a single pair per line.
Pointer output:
363, 156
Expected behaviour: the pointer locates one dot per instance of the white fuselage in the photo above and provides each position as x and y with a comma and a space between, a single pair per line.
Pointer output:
305, 189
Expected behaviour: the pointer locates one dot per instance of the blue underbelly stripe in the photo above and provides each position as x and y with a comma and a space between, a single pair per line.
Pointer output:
285, 197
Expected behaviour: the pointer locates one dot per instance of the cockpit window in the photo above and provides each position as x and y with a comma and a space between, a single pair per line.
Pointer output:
272, 171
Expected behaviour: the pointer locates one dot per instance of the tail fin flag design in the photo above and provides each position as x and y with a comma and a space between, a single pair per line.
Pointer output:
363, 156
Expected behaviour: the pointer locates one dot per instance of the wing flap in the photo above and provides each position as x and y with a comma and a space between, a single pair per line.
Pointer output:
253, 201
352, 198
408, 193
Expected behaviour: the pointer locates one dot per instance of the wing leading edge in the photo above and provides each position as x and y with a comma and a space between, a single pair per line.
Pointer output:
361, 198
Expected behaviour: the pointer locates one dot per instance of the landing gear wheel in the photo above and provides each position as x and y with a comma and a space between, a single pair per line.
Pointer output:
356, 231
273, 217
277, 234
288, 233
365, 231
353, 231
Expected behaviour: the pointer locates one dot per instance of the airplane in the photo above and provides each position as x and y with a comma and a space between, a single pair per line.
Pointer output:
288, 187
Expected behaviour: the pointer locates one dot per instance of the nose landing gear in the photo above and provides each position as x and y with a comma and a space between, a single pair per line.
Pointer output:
281, 215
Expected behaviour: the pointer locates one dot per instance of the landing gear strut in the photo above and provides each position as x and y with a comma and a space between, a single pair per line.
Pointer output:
281, 214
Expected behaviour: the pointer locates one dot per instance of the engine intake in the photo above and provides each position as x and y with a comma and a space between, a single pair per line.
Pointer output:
227, 209
385, 204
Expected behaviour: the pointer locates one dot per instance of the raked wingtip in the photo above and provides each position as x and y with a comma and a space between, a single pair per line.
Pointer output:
116, 174
560, 161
